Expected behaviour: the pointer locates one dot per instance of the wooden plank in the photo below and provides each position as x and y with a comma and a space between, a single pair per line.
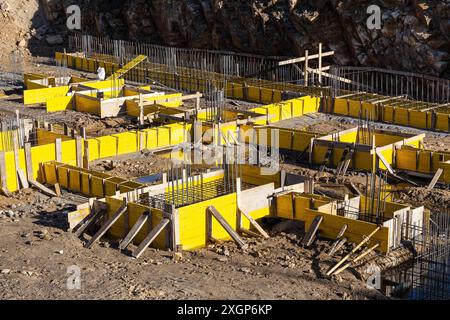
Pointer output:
234, 235
42, 188
28, 161
58, 149
311, 234
338, 239
134, 230
157, 100
16, 153
435, 178
79, 151
86, 155
57, 189
328, 156
150, 238
302, 59
123, 208
353, 188
89, 221
337, 245
353, 250
3, 180
255, 224
384, 161
359, 257
22, 179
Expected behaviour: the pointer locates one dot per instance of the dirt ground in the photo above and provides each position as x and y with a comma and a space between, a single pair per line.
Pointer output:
36, 251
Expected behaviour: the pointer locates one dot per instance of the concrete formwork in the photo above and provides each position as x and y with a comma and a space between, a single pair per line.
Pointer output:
395, 218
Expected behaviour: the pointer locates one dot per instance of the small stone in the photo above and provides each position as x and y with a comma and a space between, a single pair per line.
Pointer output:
60, 251
177, 256
5, 271
246, 270
222, 259
22, 43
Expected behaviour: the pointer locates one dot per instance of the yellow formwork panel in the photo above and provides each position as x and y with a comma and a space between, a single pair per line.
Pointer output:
388, 154
51, 175
286, 110
267, 95
63, 174
254, 94
354, 108
47, 137
442, 121
383, 139
59, 104
117, 84
302, 140
401, 116
341, 106
425, 162
192, 221
355, 232
388, 114
235, 90
119, 229
285, 206
39, 96
68, 152
11, 181
127, 142
84, 103
418, 119
273, 110
368, 111
96, 189
85, 185
406, 159
350, 137
111, 185
107, 146
74, 181
40, 154
254, 175
164, 136
151, 138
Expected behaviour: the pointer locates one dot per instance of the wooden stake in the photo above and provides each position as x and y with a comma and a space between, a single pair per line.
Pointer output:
150, 238
58, 149
108, 224
353, 250
28, 161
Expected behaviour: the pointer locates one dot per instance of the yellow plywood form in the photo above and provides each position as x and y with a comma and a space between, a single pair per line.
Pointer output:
301, 207
59, 104
356, 230
129, 66
85, 103
192, 221
116, 84
88, 182
32, 76
40, 96
47, 137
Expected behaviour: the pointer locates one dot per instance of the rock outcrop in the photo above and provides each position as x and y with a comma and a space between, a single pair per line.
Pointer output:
414, 35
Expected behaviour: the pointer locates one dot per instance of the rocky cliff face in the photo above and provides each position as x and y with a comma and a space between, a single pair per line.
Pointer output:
415, 35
